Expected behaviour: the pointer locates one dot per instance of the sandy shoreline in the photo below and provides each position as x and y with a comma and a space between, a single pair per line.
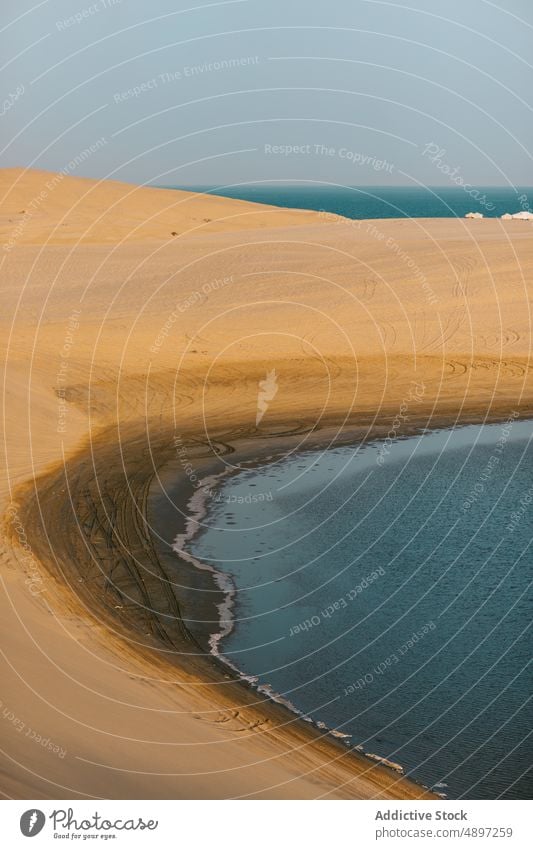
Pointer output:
118, 341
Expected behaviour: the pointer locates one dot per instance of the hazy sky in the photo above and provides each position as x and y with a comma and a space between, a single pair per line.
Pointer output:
182, 92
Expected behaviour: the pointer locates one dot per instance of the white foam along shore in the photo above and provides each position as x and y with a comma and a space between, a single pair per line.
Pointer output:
196, 512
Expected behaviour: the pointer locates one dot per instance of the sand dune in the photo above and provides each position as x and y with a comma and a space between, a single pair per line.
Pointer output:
118, 338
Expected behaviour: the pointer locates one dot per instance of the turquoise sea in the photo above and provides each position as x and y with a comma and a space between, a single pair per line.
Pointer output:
384, 591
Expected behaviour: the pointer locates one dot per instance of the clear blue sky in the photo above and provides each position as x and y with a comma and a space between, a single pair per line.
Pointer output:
218, 83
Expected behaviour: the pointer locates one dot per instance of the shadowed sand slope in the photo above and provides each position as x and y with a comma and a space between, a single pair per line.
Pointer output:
122, 340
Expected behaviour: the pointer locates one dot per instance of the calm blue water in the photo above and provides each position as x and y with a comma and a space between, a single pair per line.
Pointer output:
385, 591
384, 201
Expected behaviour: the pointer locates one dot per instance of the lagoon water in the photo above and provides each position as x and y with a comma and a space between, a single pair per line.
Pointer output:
384, 590
384, 201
